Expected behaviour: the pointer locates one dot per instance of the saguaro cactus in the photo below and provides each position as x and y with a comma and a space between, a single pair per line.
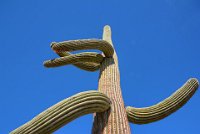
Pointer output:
110, 115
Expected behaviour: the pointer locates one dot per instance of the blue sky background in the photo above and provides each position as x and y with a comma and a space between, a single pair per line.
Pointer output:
157, 42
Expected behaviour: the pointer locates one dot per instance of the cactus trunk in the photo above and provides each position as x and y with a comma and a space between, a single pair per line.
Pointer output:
114, 120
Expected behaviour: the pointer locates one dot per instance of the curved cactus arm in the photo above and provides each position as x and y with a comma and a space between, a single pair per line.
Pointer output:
74, 58
87, 61
65, 111
83, 44
88, 66
166, 107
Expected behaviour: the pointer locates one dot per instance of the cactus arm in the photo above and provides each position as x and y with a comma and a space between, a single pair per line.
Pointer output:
166, 107
87, 61
84, 44
88, 66
65, 111
75, 58
114, 120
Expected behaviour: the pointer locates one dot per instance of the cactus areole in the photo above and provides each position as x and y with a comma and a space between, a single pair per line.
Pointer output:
107, 105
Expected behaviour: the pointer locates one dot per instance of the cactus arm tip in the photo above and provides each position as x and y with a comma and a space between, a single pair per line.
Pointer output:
107, 34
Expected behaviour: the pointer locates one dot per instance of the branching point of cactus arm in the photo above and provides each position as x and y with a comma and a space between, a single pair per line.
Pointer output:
166, 107
75, 58
88, 66
83, 44
65, 111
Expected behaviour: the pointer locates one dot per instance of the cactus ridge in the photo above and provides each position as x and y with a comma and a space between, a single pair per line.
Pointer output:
64, 112
166, 107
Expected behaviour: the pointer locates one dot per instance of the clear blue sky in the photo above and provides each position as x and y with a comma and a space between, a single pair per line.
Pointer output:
157, 42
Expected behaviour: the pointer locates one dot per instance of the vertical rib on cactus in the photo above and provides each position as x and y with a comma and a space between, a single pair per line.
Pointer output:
114, 120
65, 111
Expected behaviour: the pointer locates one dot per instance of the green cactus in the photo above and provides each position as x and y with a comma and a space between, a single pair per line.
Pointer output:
164, 108
65, 111
110, 114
